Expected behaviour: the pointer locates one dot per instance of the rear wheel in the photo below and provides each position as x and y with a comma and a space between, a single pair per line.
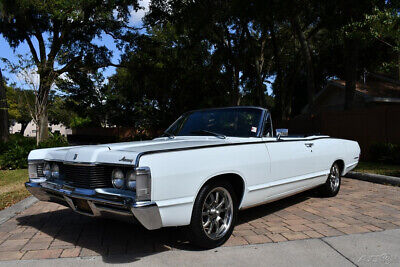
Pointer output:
332, 184
214, 215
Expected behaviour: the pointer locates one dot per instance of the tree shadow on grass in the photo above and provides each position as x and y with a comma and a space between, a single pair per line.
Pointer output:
123, 242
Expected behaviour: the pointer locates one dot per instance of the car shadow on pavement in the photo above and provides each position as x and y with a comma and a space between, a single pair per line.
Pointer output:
116, 241
123, 242
264, 210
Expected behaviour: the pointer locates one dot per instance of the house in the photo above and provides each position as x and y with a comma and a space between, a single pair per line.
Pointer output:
374, 90
30, 130
373, 119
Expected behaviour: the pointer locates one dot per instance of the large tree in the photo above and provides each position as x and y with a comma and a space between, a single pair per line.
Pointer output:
60, 36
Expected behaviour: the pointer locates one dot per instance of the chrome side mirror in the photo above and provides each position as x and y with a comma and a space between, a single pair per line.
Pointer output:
281, 132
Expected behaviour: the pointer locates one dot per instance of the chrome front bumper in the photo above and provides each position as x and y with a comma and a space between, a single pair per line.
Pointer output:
97, 202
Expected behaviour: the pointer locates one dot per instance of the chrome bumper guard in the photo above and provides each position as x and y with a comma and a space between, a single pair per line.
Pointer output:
100, 202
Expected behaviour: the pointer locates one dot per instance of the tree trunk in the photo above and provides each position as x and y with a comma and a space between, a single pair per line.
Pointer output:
308, 59
235, 87
42, 132
260, 86
24, 124
398, 65
259, 71
351, 60
278, 88
4, 130
42, 129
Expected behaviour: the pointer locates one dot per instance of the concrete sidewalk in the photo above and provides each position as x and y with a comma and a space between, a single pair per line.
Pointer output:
367, 249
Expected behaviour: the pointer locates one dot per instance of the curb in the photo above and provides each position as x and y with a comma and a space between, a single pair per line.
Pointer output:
374, 178
19, 207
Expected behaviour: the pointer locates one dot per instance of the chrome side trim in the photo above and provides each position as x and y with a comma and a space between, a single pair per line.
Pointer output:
286, 181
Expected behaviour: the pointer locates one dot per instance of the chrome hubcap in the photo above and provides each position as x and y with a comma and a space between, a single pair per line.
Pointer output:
334, 178
217, 213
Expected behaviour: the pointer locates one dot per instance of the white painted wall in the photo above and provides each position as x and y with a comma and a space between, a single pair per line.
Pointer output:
30, 130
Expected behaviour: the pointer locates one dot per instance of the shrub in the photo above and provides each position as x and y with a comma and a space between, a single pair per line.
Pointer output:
79, 122
14, 153
386, 152
56, 140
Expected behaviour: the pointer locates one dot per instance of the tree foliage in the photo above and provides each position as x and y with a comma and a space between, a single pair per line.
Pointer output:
277, 54
64, 31
21, 104
244, 47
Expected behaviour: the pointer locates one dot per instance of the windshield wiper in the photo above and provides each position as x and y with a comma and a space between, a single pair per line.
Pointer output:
209, 133
169, 135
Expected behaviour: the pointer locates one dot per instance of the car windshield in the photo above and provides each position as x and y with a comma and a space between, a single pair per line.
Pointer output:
236, 122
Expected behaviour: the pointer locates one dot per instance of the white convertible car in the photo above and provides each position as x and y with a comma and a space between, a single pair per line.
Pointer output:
208, 165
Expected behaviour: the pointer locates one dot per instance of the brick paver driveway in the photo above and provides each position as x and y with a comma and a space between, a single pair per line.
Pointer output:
47, 230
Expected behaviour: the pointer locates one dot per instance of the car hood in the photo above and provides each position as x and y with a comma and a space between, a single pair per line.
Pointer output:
123, 153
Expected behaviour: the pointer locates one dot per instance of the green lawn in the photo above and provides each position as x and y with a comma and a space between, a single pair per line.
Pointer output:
378, 168
12, 188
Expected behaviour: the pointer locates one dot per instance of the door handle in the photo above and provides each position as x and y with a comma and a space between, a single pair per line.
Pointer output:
309, 144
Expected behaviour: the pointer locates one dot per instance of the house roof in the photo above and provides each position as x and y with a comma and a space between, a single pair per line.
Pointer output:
374, 88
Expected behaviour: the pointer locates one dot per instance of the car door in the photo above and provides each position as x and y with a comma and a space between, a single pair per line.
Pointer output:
290, 158
324, 153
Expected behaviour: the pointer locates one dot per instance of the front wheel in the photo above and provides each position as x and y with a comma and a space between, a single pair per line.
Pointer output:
214, 215
332, 184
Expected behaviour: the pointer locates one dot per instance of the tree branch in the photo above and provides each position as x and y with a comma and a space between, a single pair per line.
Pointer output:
68, 66
313, 31
56, 42
33, 51
383, 41
110, 64
42, 47
135, 28
112, 35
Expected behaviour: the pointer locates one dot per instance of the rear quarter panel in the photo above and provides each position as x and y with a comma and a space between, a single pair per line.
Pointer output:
352, 156
330, 150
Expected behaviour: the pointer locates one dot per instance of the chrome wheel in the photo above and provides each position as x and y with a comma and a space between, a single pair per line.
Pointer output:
217, 213
334, 178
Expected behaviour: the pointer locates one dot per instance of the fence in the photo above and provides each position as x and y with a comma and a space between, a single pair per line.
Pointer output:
367, 126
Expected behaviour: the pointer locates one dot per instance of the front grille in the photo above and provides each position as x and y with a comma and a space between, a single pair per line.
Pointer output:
89, 177
39, 170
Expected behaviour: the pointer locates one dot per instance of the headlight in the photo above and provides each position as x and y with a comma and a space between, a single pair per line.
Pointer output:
118, 178
55, 171
32, 170
47, 170
143, 184
131, 180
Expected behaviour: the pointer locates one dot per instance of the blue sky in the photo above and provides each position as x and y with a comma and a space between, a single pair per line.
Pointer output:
11, 55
